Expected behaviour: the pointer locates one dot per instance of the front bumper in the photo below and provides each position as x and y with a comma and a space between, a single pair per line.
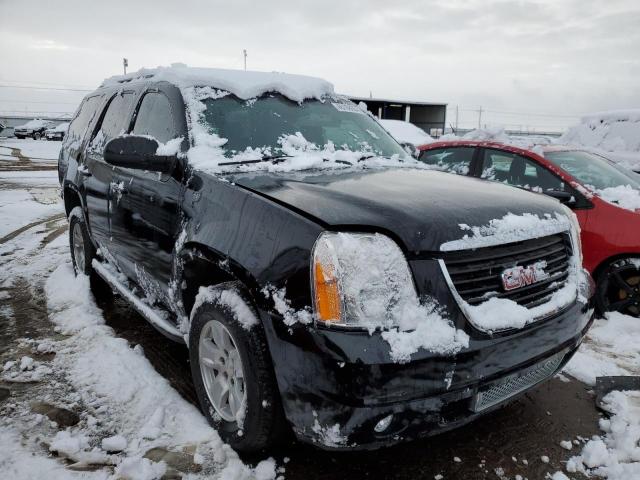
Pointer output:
337, 385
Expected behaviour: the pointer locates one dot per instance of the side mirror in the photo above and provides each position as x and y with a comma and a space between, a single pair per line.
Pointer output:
139, 153
566, 198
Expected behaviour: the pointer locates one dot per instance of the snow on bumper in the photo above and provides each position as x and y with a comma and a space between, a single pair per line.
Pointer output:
337, 385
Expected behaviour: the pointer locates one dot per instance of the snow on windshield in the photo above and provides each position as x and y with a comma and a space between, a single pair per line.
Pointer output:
280, 135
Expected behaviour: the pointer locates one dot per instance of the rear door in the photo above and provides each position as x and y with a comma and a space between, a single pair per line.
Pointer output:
98, 181
458, 160
146, 220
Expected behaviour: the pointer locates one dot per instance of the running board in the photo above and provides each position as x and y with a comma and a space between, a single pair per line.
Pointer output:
150, 314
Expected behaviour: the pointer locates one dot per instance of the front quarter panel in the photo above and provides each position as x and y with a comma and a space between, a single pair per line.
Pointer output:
270, 244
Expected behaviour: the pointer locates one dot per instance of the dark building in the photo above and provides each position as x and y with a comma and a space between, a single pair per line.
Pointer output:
431, 117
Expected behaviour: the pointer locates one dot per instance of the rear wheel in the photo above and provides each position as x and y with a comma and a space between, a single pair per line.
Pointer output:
618, 288
83, 253
232, 374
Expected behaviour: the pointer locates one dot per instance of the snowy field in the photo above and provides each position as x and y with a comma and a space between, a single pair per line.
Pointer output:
79, 401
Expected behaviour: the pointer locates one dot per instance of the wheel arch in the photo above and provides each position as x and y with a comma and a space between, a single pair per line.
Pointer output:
72, 198
199, 265
602, 266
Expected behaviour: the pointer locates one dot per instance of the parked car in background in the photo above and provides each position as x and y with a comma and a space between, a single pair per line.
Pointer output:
32, 129
319, 276
604, 196
58, 132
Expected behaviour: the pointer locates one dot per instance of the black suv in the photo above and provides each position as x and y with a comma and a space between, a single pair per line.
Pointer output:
324, 281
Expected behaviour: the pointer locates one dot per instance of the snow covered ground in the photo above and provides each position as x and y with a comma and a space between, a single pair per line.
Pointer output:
33, 149
86, 403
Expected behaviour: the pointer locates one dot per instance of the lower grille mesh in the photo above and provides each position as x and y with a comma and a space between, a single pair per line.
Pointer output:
514, 385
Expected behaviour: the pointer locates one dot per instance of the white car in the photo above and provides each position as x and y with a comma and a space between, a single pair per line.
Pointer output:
58, 132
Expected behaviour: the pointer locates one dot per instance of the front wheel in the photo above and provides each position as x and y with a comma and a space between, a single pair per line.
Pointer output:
618, 288
232, 370
36, 136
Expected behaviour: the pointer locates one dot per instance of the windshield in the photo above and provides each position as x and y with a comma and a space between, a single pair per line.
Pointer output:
260, 126
591, 170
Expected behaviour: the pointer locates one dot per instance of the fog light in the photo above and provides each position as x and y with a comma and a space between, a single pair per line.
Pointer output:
383, 424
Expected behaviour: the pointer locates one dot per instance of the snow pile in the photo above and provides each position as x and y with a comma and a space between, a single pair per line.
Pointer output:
406, 132
128, 397
616, 455
616, 133
624, 196
508, 229
243, 84
610, 349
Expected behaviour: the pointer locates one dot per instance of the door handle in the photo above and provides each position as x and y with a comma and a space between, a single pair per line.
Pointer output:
83, 170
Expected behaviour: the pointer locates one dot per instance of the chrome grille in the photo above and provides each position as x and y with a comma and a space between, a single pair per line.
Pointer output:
475, 274
514, 385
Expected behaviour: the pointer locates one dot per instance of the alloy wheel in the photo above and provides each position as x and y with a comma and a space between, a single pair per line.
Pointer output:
623, 290
222, 372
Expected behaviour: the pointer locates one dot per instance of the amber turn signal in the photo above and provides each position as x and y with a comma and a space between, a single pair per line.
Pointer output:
327, 294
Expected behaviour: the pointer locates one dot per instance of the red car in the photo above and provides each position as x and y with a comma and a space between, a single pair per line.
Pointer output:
581, 180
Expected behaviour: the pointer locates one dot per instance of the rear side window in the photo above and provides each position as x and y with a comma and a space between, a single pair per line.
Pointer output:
114, 122
79, 124
519, 171
155, 118
452, 159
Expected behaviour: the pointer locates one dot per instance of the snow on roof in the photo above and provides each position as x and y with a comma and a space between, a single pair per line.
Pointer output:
35, 123
405, 132
243, 84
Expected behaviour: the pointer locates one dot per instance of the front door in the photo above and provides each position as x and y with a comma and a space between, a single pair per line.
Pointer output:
145, 214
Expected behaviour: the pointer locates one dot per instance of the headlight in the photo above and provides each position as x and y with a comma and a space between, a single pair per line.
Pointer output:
360, 280
575, 232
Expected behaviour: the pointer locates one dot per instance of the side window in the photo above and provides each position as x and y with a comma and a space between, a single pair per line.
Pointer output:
114, 120
155, 119
452, 159
78, 126
519, 171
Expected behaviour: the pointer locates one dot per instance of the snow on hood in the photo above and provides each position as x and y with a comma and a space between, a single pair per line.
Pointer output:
623, 196
243, 84
406, 132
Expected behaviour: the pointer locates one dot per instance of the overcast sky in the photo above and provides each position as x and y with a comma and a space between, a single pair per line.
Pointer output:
560, 57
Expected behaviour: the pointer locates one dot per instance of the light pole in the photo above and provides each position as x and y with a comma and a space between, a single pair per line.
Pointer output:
125, 64
244, 54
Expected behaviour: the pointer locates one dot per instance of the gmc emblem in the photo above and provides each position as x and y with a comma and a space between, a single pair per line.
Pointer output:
518, 277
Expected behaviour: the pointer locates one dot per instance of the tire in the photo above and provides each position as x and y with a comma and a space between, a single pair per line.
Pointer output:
618, 288
37, 135
80, 244
261, 423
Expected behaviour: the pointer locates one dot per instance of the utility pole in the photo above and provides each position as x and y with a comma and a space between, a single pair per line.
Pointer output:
125, 64
479, 116
456, 120
244, 53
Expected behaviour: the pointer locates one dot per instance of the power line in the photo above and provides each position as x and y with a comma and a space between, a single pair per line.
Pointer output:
36, 101
46, 88
23, 82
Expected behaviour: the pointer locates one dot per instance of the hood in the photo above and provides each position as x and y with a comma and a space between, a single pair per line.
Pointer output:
421, 208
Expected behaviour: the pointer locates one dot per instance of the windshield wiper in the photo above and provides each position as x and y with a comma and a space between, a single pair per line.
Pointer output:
268, 158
